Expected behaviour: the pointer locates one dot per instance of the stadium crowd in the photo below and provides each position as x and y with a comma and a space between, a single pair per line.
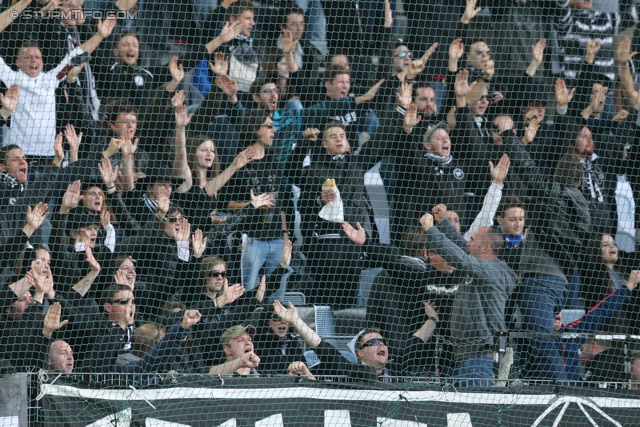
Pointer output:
157, 157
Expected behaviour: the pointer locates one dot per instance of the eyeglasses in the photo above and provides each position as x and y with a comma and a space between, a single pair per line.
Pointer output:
403, 54
270, 91
373, 342
172, 219
276, 318
216, 273
124, 301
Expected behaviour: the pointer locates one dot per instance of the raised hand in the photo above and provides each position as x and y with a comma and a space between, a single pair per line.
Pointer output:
163, 205
563, 96
289, 314
287, 43
456, 49
439, 212
71, 197
262, 288
190, 318
426, 221
105, 218
114, 146
623, 54
227, 85
470, 11
411, 118
368, 96
620, 116
91, 259
229, 293
52, 320
184, 230
198, 243
634, 279
538, 51
530, 130
244, 157
35, 217
593, 47
415, 67
499, 172
404, 95
388, 14
428, 53
176, 70
129, 148
72, 138
220, 64
356, 235
109, 175
262, 200
58, 150
182, 120
430, 310
461, 85
178, 99
286, 254
229, 31
52, 5
10, 100
106, 27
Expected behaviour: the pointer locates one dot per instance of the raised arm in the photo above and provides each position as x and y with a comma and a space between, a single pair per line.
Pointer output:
181, 167
9, 15
290, 315
104, 30
214, 185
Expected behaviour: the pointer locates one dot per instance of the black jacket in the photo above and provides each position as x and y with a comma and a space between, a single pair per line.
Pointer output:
560, 221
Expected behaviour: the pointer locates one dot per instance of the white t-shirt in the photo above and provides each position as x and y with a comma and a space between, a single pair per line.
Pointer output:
33, 123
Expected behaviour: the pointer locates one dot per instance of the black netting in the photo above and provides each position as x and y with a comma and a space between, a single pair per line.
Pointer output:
420, 194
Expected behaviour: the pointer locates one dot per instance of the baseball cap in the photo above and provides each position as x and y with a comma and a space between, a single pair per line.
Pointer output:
235, 331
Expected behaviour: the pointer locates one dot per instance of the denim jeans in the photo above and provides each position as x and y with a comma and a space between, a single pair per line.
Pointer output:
475, 372
260, 258
542, 297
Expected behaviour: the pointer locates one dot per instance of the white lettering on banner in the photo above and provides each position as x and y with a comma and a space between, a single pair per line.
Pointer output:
154, 422
120, 419
459, 420
272, 421
9, 422
386, 422
337, 418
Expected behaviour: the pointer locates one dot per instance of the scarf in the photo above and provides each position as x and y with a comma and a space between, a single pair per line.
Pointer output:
442, 161
150, 203
243, 51
512, 241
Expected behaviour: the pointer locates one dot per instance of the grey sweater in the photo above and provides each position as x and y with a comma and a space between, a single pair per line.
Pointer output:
478, 308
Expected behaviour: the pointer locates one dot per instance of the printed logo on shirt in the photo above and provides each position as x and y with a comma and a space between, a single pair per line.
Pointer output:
458, 173
347, 118
139, 81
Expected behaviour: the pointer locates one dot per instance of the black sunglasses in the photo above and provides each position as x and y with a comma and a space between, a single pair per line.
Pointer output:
374, 341
276, 318
123, 301
172, 219
216, 273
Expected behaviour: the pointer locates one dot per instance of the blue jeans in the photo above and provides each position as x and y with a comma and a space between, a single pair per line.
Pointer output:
542, 297
260, 258
475, 372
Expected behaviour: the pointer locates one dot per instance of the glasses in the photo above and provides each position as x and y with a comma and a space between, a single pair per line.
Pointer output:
373, 342
403, 54
270, 91
123, 301
276, 318
216, 273
172, 219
